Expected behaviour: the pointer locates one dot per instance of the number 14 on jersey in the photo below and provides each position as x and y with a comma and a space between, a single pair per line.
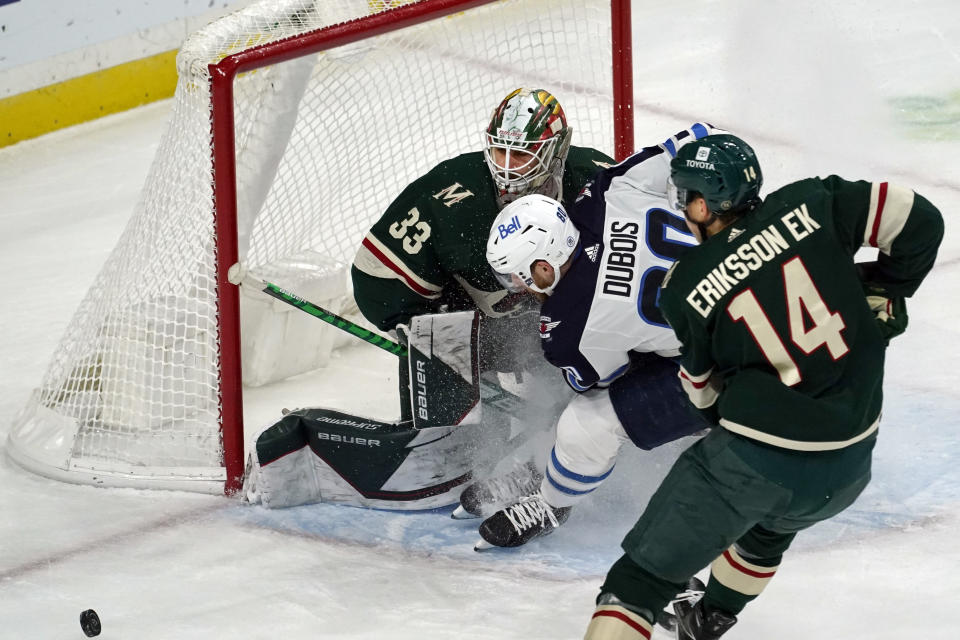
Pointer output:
802, 300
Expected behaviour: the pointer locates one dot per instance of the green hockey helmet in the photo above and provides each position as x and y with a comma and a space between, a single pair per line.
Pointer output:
722, 168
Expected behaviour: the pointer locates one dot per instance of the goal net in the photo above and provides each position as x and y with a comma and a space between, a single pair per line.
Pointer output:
293, 126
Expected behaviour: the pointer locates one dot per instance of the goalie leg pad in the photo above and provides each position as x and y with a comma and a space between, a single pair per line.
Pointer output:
444, 377
321, 455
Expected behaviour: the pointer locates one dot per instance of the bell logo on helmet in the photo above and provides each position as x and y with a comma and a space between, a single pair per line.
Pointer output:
506, 229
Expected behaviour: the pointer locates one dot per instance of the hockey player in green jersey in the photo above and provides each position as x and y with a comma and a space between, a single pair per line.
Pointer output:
426, 254
783, 348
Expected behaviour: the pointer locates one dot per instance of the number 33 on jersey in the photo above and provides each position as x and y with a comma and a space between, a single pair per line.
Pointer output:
411, 231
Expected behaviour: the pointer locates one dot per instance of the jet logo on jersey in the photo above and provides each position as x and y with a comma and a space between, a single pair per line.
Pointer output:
546, 326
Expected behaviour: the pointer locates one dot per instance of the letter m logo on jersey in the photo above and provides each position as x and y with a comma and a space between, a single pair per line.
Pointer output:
451, 196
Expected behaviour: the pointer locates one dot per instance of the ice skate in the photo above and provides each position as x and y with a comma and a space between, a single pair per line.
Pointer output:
484, 497
694, 622
516, 525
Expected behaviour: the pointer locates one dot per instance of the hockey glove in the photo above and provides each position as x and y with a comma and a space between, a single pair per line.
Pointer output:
891, 315
889, 310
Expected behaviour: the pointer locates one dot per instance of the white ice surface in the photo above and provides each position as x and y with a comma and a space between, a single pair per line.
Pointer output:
863, 89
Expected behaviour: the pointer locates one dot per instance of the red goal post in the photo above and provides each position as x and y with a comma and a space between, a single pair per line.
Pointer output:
294, 124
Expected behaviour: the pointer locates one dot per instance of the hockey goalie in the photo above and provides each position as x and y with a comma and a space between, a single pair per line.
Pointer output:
421, 271
464, 425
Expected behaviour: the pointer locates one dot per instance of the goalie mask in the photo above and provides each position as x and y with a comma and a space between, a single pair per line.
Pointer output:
532, 228
526, 145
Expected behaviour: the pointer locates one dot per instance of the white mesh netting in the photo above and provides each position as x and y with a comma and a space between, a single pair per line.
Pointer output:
323, 144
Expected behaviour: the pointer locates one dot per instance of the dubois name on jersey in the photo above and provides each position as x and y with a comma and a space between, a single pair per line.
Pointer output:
620, 264
605, 306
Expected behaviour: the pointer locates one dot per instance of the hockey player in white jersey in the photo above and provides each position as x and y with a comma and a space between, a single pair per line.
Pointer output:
597, 271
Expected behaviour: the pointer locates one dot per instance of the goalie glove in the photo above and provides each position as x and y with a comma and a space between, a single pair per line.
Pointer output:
890, 313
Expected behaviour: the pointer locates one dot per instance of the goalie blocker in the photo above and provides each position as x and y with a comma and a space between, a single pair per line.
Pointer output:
322, 455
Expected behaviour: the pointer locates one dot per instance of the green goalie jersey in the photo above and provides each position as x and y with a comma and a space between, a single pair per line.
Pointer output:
779, 344
428, 250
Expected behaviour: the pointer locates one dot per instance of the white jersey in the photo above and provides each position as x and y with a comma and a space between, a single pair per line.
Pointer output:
605, 306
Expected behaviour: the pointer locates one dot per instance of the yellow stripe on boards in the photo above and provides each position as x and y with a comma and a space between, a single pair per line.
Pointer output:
376, 6
88, 97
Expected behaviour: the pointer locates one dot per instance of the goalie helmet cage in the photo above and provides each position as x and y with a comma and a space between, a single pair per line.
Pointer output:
293, 126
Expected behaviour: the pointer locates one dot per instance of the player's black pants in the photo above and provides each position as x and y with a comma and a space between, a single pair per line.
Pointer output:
727, 493
650, 403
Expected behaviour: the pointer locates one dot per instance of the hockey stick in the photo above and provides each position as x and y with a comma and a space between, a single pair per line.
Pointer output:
331, 318
500, 397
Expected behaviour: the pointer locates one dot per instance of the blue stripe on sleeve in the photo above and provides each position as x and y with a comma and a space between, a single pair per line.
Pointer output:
699, 131
670, 147
616, 374
574, 381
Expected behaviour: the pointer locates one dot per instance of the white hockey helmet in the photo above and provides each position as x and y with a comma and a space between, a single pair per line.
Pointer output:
529, 131
529, 229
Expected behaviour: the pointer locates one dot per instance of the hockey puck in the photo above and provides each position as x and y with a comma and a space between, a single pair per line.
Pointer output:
90, 623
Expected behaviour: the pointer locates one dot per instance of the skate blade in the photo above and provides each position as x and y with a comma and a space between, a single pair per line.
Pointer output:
462, 514
483, 545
